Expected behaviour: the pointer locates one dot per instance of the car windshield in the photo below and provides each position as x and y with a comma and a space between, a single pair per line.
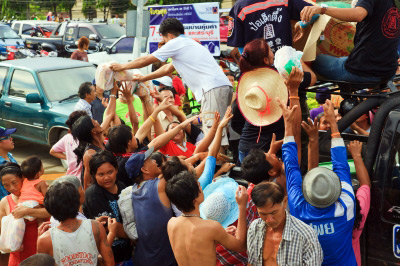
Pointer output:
62, 83
110, 31
7, 33
49, 27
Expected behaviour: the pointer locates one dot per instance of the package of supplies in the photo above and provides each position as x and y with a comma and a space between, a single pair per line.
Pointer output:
285, 59
126, 210
104, 77
12, 233
29, 204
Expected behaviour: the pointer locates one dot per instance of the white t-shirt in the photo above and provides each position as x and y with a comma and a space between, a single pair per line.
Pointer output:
194, 63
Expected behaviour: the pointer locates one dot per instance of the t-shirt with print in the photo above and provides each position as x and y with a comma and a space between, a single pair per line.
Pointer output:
67, 145
194, 63
376, 40
122, 111
254, 19
100, 202
173, 149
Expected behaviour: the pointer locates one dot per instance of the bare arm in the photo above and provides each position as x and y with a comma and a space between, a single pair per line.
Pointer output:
163, 139
131, 109
206, 141
42, 187
87, 178
161, 72
295, 78
355, 148
137, 63
313, 147
21, 211
44, 244
356, 14
110, 110
58, 155
102, 244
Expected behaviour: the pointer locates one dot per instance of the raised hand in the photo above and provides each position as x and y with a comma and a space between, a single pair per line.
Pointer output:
241, 196
112, 224
104, 102
217, 118
275, 145
226, 167
311, 128
294, 80
138, 78
308, 12
298, 32
164, 104
227, 117
185, 123
329, 112
126, 90
355, 148
288, 113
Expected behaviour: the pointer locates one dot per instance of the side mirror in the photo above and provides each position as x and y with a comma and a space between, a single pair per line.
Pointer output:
94, 37
34, 98
114, 50
108, 50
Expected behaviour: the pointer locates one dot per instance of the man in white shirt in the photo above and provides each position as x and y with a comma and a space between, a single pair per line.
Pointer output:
195, 64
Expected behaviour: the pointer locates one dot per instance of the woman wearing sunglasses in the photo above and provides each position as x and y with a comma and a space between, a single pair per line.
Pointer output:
6, 146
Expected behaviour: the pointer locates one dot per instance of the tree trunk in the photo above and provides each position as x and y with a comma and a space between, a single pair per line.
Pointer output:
70, 13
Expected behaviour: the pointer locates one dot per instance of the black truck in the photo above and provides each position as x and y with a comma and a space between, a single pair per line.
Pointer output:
380, 241
64, 37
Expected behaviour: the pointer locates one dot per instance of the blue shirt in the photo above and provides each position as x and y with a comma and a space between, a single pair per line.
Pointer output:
334, 224
3, 191
208, 173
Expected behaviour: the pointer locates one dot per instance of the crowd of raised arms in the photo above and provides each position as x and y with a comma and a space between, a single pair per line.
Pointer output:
147, 185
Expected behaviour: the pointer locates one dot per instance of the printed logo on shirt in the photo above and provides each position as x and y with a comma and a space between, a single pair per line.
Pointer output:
391, 23
323, 229
78, 258
231, 25
274, 17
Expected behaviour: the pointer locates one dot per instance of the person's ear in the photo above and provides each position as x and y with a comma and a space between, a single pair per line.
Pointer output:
266, 61
272, 172
285, 202
144, 170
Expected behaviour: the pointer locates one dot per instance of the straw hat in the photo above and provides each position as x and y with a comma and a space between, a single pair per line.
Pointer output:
256, 95
321, 187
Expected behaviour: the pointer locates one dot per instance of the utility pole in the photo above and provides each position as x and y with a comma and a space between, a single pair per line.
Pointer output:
139, 27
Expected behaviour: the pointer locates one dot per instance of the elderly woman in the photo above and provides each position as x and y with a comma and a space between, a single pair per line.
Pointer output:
101, 200
12, 179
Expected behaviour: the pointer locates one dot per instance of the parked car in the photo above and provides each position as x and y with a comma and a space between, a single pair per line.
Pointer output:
63, 39
9, 40
38, 28
120, 51
38, 94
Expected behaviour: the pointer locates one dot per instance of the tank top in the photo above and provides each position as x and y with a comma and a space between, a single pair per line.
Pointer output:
153, 247
29, 241
76, 248
29, 192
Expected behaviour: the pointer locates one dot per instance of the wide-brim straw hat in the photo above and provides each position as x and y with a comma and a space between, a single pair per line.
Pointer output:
321, 187
256, 95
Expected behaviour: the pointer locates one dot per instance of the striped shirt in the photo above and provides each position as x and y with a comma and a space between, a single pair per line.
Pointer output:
299, 244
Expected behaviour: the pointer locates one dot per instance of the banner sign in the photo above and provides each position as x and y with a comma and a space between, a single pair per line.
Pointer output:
201, 22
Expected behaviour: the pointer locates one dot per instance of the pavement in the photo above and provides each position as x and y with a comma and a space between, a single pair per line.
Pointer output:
52, 166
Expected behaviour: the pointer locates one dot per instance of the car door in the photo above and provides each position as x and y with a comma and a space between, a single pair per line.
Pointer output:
17, 113
3, 76
382, 238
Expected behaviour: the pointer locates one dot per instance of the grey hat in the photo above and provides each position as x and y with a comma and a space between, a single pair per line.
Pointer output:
321, 187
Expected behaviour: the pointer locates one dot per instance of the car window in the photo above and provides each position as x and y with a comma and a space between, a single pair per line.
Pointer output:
391, 202
110, 31
70, 33
59, 84
27, 29
125, 45
84, 32
3, 74
16, 27
22, 83
7, 33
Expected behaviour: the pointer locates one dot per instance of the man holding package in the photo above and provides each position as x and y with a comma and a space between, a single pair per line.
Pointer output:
195, 64
374, 57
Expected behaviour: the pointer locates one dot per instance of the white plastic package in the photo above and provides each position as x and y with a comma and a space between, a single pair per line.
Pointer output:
12, 233
29, 204
126, 210
104, 77
286, 58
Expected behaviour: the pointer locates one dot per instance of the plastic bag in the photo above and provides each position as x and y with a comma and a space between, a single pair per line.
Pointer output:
126, 210
125, 75
12, 233
29, 204
286, 58
104, 77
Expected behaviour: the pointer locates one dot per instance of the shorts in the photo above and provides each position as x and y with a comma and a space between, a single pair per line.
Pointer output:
217, 99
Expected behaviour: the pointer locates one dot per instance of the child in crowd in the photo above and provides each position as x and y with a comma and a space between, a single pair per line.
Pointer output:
33, 188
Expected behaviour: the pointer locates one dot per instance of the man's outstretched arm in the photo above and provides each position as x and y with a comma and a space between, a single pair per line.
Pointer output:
356, 14
137, 63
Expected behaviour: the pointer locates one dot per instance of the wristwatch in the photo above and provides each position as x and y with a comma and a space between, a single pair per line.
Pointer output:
323, 9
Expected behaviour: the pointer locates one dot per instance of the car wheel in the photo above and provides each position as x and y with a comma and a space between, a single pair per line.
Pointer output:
60, 136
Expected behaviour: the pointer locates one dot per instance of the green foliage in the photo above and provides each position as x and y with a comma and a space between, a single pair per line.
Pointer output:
108, 6
311, 102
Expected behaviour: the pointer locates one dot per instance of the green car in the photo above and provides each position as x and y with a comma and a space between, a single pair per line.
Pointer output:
38, 94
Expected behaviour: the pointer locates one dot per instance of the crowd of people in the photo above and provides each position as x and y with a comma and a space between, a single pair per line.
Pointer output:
147, 185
